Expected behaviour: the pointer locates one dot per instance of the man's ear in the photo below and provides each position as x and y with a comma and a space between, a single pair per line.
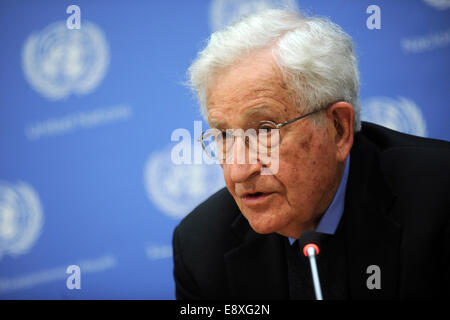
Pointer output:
342, 115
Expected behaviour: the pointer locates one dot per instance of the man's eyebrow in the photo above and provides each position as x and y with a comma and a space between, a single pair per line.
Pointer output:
257, 110
214, 123
263, 110
250, 114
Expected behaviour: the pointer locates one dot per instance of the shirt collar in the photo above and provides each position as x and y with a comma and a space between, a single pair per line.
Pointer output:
330, 219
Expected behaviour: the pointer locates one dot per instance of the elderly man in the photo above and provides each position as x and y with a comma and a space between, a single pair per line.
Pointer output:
378, 200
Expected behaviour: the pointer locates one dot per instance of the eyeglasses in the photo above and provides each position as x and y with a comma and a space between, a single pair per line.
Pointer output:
261, 136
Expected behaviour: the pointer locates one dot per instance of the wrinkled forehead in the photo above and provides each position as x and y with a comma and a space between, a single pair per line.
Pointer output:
265, 104
247, 115
251, 88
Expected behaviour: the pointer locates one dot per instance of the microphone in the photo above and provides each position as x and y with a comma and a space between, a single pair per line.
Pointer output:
311, 250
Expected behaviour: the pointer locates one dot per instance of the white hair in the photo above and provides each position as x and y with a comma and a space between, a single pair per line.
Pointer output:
315, 56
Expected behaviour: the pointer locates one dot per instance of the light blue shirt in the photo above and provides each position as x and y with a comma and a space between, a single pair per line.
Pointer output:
330, 219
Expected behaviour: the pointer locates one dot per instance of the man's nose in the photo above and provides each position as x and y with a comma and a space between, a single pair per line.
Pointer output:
245, 163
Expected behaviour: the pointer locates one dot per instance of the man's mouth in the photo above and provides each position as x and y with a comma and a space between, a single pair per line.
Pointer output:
255, 198
254, 195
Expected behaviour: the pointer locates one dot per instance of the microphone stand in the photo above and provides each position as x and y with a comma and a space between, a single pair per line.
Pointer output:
311, 250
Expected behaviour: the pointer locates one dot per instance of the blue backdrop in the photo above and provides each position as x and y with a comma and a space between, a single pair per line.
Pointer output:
86, 118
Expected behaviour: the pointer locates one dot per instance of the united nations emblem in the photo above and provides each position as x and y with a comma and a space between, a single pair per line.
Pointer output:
226, 12
439, 4
58, 62
178, 189
399, 114
21, 218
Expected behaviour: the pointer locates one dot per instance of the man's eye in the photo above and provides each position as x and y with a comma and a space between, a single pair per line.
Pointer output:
222, 135
266, 128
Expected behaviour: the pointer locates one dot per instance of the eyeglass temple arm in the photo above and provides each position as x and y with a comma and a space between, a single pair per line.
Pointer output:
295, 119
305, 115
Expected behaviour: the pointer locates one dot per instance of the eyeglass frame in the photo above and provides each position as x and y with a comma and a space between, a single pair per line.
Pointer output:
277, 126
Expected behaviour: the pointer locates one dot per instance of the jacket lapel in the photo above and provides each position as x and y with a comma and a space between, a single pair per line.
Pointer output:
257, 267
372, 236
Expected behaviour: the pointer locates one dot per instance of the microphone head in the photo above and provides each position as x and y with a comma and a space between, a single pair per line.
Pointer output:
310, 239
308, 246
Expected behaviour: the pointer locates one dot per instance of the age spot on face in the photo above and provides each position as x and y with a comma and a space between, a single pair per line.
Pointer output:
306, 144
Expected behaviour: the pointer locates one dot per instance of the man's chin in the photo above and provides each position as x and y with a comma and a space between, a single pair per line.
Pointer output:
265, 225
262, 230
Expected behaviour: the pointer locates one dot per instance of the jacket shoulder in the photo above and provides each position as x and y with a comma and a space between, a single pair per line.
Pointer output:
386, 138
206, 233
411, 163
211, 216
199, 243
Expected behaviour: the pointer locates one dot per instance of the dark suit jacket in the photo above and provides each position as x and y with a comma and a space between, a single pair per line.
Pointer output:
396, 216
